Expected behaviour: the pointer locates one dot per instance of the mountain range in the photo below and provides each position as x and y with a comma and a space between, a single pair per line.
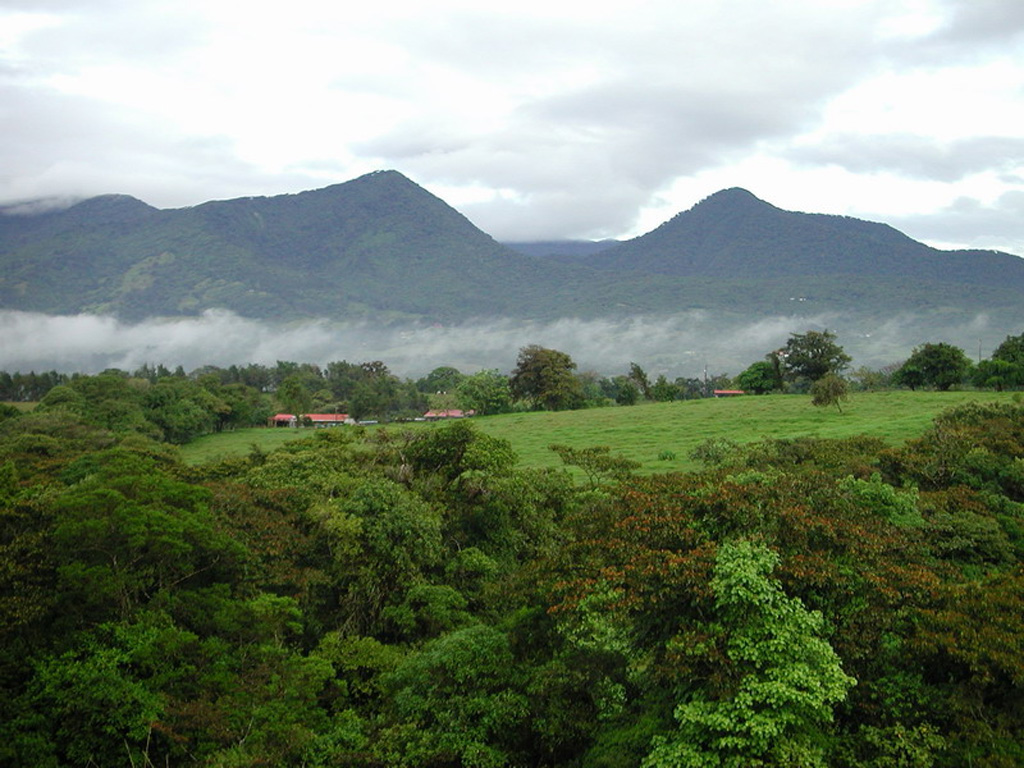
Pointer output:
382, 247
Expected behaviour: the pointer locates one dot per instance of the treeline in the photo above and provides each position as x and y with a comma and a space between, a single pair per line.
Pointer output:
178, 407
389, 598
371, 389
20, 387
809, 357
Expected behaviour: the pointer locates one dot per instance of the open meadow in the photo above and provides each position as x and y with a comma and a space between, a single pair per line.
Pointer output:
661, 435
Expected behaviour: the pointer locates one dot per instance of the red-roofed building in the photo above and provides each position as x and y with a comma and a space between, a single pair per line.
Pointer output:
315, 419
729, 392
453, 413
328, 419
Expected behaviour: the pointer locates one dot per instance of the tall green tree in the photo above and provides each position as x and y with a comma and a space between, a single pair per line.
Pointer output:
639, 377
1005, 370
294, 396
809, 356
784, 679
442, 379
1011, 350
546, 378
486, 392
938, 365
663, 390
760, 378
998, 374
182, 409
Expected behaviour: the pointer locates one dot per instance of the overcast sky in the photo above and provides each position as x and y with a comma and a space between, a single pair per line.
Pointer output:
545, 119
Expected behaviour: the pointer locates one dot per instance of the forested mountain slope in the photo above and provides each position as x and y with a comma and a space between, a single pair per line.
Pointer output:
383, 248
732, 233
379, 245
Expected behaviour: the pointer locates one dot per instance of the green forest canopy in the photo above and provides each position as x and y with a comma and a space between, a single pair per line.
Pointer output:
407, 598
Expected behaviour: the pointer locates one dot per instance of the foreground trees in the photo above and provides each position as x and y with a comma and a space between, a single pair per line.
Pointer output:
786, 678
415, 598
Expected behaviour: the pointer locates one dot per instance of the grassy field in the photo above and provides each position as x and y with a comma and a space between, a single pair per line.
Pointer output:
646, 432
239, 442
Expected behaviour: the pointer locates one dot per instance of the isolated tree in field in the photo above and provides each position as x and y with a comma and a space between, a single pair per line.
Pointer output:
938, 365
597, 462
545, 378
811, 355
908, 375
830, 389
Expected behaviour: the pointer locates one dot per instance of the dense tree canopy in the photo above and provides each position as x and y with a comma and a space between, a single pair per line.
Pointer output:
414, 597
442, 379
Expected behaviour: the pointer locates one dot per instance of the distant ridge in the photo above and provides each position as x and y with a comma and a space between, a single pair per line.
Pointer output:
732, 233
382, 248
377, 246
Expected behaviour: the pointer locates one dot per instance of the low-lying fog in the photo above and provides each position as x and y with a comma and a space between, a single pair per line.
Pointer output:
681, 345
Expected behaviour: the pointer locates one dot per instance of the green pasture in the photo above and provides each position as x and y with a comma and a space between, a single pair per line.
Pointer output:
239, 442
650, 431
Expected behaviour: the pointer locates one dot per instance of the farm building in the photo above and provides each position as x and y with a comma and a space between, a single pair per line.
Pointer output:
311, 419
453, 413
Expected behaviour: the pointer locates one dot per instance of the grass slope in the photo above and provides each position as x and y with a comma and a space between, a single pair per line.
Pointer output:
238, 442
644, 432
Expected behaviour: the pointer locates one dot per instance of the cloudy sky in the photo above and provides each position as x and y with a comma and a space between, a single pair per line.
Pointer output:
545, 119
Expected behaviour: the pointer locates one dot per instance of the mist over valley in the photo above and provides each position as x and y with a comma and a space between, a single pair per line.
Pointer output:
677, 346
